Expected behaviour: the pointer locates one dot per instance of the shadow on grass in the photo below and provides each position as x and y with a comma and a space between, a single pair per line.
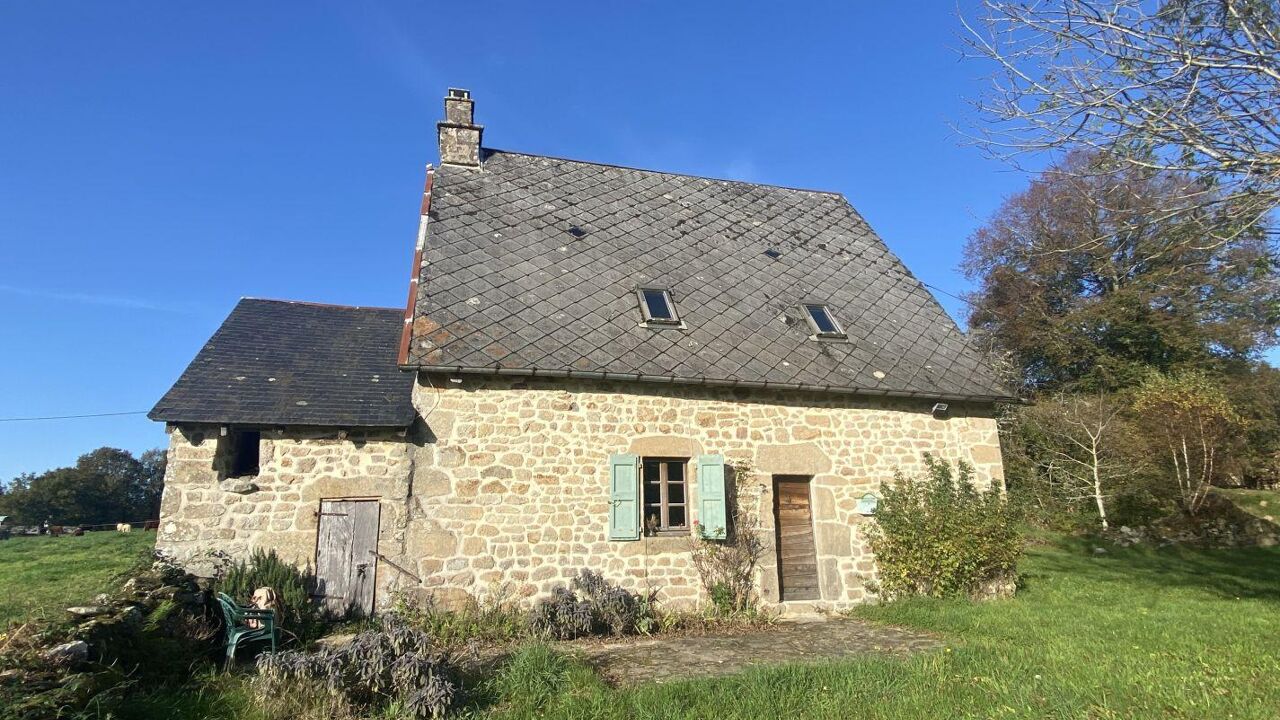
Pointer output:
1252, 573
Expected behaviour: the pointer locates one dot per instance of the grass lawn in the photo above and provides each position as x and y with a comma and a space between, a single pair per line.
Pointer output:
1262, 503
41, 575
1131, 633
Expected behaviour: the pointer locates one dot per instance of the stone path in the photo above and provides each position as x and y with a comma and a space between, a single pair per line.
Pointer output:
659, 660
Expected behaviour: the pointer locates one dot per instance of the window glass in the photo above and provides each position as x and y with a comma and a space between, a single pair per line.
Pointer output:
675, 516
652, 493
652, 471
657, 304
675, 492
824, 323
665, 491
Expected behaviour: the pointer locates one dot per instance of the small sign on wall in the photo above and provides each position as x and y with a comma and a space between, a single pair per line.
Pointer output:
867, 504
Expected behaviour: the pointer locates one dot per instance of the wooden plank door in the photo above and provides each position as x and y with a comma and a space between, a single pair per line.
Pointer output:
793, 523
346, 543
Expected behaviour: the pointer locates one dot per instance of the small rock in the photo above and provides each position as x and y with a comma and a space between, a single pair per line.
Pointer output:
1099, 551
239, 486
150, 580
131, 616
72, 653
102, 599
88, 611
997, 588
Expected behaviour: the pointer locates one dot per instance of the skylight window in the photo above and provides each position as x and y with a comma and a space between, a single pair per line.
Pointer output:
822, 322
657, 307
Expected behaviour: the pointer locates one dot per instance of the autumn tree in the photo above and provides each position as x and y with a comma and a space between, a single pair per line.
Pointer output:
1088, 279
1191, 424
1255, 395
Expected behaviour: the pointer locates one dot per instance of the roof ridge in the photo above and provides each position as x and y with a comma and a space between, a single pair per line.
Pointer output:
320, 304
833, 193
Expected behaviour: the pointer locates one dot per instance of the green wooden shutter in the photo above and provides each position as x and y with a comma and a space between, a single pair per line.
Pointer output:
624, 497
711, 497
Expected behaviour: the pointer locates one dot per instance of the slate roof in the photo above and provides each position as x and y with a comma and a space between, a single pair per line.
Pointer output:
531, 265
288, 363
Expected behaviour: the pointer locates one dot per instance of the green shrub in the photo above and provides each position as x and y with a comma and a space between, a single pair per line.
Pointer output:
722, 598
301, 616
496, 620
939, 536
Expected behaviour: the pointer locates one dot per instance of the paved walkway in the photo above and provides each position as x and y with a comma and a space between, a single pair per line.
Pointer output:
657, 660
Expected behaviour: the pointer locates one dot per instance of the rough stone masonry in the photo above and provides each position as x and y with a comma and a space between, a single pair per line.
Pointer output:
503, 488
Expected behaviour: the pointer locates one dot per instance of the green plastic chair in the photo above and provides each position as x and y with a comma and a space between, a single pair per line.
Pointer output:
239, 633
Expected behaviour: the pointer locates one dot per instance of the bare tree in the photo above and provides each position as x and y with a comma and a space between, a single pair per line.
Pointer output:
1075, 447
1186, 86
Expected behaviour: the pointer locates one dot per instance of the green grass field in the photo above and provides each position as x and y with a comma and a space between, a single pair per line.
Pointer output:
1134, 633
1128, 634
43, 575
1262, 503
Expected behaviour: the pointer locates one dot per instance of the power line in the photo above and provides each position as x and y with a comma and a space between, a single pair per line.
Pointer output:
73, 417
944, 292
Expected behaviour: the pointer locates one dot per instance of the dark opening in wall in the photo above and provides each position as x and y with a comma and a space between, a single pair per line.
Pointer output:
244, 452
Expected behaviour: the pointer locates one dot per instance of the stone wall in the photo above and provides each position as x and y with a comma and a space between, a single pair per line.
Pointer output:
202, 510
505, 488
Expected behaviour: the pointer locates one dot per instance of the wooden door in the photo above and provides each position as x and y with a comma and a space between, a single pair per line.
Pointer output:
793, 521
346, 563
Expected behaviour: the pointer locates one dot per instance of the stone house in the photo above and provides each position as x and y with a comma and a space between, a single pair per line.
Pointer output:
594, 364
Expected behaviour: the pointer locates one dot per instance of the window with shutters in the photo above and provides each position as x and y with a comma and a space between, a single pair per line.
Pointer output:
666, 495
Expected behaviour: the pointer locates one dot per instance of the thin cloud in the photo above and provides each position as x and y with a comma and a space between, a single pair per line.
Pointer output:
94, 299
742, 168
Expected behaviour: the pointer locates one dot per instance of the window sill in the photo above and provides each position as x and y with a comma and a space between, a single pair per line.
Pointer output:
651, 325
665, 542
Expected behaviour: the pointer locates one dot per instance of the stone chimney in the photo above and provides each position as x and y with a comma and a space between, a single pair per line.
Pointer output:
459, 135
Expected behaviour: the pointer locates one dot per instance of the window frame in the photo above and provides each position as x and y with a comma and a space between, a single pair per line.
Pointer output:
818, 332
664, 504
647, 315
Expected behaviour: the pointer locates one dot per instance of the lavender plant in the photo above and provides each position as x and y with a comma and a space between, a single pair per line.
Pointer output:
392, 663
592, 606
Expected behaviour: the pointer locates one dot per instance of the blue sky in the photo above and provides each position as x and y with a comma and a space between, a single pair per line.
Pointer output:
160, 160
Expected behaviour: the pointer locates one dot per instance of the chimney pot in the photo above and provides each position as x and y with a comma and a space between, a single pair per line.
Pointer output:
458, 134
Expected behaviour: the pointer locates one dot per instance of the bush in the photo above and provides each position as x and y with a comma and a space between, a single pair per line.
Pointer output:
300, 615
939, 536
593, 606
726, 563
496, 620
393, 667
